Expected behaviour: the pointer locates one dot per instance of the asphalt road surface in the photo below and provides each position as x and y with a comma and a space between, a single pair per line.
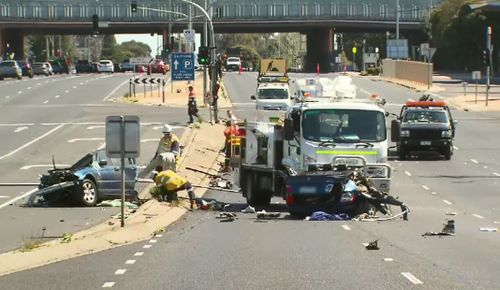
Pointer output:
200, 252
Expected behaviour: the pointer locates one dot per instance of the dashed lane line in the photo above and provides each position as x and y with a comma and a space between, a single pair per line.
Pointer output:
95, 127
474, 161
496, 174
66, 91
46, 102
425, 187
447, 202
31, 142
57, 96
388, 259
18, 198
478, 216
27, 167
17, 125
153, 241
408, 173
19, 129
159, 235
411, 278
7, 97
433, 193
19, 92
4, 196
29, 88
346, 227
85, 139
138, 254
130, 262
108, 284
146, 246
120, 271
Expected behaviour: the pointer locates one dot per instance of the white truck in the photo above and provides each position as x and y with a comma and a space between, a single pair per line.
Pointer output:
294, 159
273, 90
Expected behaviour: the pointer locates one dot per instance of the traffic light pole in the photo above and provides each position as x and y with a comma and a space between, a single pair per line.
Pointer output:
488, 67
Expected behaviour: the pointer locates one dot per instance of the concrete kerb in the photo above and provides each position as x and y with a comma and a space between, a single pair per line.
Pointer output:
141, 225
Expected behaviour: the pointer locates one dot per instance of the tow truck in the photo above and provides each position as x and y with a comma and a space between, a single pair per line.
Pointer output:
424, 126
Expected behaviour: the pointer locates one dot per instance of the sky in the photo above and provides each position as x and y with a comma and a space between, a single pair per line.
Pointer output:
152, 41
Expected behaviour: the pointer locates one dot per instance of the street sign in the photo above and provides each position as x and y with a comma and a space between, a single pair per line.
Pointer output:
148, 80
476, 75
140, 60
189, 35
127, 127
182, 66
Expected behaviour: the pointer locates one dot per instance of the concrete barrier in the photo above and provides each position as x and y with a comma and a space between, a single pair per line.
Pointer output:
412, 71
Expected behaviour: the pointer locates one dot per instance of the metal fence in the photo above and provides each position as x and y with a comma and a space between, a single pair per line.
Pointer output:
120, 10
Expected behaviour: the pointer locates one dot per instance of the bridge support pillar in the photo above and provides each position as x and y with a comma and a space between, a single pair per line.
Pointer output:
12, 40
319, 49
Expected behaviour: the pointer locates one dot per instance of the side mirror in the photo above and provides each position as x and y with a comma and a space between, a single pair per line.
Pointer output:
288, 129
253, 98
103, 163
395, 130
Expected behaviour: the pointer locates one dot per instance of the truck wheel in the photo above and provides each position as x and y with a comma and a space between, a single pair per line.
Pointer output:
403, 153
447, 152
254, 196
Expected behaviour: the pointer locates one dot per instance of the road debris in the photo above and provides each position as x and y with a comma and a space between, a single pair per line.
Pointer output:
323, 216
248, 209
227, 216
448, 230
210, 204
451, 213
372, 245
267, 215
491, 230
117, 203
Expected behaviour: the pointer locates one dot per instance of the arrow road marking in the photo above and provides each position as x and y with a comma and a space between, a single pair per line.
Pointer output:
85, 139
27, 167
19, 129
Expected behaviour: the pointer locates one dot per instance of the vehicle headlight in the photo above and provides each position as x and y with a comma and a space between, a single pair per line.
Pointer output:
309, 160
446, 133
405, 133
376, 171
347, 196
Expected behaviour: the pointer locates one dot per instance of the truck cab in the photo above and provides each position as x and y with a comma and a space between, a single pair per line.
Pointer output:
424, 126
272, 94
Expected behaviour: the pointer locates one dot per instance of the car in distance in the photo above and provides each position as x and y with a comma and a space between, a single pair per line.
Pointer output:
42, 68
26, 68
10, 68
158, 66
94, 177
83, 66
233, 63
105, 66
127, 66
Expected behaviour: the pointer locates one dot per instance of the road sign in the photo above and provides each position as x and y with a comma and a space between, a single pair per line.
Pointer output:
476, 75
189, 35
140, 60
127, 127
148, 80
182, 66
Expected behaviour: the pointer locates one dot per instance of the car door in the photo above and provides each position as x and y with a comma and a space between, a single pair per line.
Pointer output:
109, 173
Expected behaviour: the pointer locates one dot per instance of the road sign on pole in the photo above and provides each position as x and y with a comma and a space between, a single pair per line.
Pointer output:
182, 66
189, 35
140, 60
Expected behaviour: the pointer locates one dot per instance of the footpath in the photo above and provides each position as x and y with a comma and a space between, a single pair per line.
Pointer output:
202, 143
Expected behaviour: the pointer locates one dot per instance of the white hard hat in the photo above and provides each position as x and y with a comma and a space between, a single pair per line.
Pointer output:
167, 129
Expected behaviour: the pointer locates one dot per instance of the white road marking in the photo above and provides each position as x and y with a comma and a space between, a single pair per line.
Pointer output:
17, 125
74, 87
447, 202
496, 222
433, 193
153, 241
346, 227
149, 140
138, 254
18, 198
19, 129
4, 196
146, 246
113, 91
159, 235
496, 174
26, 167
120, 271
7, 97
66, 91
31, 142
46, 102
57, 96
108, 284
478, 216
485, 167
408, 173
365, 91
29, 88
85, 139
411, 278
425, 187
81, 84
95, 127
455, 147
388, 259
130, 262
38, 84
20, 92
474, 161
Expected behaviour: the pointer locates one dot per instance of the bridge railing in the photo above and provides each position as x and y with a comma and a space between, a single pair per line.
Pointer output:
222, 10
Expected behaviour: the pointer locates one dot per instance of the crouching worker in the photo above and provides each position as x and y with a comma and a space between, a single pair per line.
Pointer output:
168, 183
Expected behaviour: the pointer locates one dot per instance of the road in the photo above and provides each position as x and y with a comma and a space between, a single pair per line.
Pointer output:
200, 252
61, 117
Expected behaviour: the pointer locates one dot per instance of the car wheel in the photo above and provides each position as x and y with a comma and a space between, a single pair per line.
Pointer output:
89, 193
447, 153
19, 77
254, 195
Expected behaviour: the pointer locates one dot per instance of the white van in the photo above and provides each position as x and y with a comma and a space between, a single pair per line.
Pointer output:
272, 96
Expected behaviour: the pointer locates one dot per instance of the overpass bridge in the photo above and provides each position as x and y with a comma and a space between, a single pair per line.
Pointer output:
315, 18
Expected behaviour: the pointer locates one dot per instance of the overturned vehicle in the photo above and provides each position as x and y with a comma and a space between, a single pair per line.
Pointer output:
93, 178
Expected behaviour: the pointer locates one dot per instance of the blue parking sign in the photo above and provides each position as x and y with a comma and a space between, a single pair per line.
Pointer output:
182, 66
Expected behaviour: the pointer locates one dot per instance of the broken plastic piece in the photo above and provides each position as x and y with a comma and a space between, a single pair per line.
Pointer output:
372, 245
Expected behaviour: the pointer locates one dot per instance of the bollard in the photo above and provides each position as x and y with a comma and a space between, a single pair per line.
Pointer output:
464, 84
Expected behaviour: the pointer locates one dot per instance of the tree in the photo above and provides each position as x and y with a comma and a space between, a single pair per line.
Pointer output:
109, 47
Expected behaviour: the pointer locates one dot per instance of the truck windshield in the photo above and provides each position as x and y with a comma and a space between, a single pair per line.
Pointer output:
273, 94
343, 126
425, 116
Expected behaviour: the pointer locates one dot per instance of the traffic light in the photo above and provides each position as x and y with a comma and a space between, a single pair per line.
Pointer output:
133, 6
203, 55
95, 24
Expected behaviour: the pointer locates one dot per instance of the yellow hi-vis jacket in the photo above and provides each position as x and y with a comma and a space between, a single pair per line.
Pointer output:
170, 180
170, 144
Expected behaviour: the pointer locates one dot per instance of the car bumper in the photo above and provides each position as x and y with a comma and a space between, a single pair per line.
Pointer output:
425, 145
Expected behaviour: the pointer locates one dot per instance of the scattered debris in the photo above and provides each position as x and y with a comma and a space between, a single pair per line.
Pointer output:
117, 203
448, 230
201, 171
227, 216
323, 216
372, 245
61, 221
248, 209
267, 215
451, 213
210, 204
491, 230
66, 238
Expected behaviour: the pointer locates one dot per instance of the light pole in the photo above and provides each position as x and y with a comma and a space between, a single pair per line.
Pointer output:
397, 28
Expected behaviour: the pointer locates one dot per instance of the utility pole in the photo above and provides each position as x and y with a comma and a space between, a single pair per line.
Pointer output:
397, 28
488, 67
189, 45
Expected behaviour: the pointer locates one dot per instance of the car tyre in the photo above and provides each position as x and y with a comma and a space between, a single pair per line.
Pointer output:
403, 153
448, 152
254, 199
89, 193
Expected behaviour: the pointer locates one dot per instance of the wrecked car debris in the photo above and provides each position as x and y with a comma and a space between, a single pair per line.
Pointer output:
323, 216
248, 209
448, 230
372, 245
267, 215
227, 216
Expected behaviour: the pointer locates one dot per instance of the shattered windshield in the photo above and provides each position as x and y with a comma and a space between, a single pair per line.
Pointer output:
343, 126
273, 94
425, 116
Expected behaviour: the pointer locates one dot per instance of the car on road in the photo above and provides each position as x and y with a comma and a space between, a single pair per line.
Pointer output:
233, 63
140, 68
117, 67
59, 67
127, 66
158, 66
26, 68
424, 126
93, 178
84, 66
105, 66
10, 68
42, 68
